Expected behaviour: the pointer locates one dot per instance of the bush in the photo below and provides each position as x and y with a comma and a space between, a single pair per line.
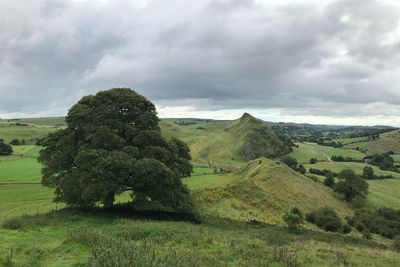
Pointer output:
301, 169
329, 181
326, 219
313, 160
290, 161
385, 222
346, 229
293, 218
358, 202
396, 244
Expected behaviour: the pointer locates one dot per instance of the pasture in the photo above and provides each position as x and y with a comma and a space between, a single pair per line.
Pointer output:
305, 151
389, 141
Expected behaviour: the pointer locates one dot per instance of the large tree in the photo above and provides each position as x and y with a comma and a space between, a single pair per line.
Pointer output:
113, 144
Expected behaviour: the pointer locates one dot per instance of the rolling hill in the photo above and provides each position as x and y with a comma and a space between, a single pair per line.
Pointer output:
228, 144
264, 190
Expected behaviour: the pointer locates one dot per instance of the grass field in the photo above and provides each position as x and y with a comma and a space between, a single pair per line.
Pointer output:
305, 151
30, 133
384, 193
357, 167
389, 141
67, 237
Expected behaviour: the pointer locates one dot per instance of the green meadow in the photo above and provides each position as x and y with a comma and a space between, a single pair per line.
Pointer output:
305, 151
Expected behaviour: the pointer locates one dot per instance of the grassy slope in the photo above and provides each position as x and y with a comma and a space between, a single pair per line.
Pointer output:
47, 242
209, 143
382, 193
221, 143
265, 192
305, 151
389, 141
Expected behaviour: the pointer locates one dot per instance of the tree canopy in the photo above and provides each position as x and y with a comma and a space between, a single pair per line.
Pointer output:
112, 144
351, 185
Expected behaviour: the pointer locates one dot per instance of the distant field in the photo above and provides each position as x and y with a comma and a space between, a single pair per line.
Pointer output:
29, 133
339, 166
204, 170
346, 141
208, 181
384, 193
389, 141
396, 158
45, 121
306, 151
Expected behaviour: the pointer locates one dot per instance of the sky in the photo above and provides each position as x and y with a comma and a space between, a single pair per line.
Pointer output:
322, 62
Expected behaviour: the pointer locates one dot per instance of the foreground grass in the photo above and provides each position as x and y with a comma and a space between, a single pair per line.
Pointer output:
73, 238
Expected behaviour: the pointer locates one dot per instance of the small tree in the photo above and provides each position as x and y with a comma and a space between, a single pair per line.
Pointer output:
329, 180
301, 169
351, 185
290, 161
313, 160
15, 142
5, 149
368, 172
294, 218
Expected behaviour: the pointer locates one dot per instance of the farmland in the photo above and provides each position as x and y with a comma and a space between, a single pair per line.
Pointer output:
43, 233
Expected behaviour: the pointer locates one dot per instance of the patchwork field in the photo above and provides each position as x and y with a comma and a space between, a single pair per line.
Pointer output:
389, 141
305, 151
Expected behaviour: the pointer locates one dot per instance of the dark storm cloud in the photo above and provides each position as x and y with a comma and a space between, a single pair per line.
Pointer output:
337, 58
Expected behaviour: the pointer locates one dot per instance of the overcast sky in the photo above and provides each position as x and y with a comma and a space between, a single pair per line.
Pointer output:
330, 62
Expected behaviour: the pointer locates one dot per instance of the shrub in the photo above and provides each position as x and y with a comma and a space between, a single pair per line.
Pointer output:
346, 229
313, 160
301, 169
358, 202
385, 222
396, 244
290, 161
293, 218
326, 219
329, 181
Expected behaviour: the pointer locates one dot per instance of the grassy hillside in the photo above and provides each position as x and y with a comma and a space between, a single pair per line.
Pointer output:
389, 141
256, 139
264, 190
305, 151
227, 144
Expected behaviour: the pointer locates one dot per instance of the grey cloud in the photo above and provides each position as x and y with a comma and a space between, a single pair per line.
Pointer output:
234, 54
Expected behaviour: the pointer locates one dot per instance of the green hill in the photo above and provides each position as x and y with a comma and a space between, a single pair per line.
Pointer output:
256, 139
386, 142
228, 144
265, 190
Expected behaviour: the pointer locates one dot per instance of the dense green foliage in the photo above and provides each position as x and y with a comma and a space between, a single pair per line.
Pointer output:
5, 149
294, 218
351, 185
327, 219
113, 144
384, 221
